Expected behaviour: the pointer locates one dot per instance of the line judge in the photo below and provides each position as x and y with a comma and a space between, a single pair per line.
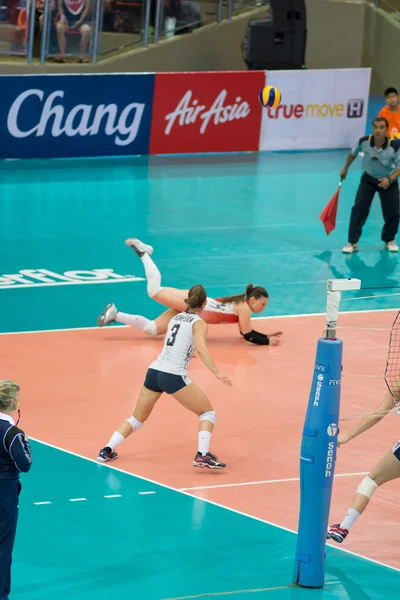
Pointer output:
381, 164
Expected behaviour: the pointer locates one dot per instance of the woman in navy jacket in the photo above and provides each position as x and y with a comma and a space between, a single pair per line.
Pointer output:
15, 457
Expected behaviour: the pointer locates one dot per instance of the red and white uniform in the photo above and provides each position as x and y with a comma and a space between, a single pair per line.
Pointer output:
215, 312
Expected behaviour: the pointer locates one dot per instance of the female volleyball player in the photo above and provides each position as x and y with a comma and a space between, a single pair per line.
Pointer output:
233, 309
385, 470
168, 373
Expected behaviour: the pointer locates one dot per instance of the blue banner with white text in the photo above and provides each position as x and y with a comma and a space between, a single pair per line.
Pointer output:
60, 116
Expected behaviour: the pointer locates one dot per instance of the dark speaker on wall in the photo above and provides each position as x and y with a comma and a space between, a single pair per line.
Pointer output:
268, 46
288, 12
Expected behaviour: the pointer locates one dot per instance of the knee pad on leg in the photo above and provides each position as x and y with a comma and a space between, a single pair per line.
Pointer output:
211, 416
150, 328
367, 487
153, 289
134, 423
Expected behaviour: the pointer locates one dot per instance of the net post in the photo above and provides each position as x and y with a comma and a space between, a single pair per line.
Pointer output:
319, 445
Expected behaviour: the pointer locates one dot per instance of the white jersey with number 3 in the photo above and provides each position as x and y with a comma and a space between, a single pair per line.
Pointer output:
178, 345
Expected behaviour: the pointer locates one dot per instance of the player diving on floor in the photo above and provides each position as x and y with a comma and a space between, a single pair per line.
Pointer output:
230, 309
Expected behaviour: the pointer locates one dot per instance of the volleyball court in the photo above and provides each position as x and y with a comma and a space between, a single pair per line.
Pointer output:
259, 420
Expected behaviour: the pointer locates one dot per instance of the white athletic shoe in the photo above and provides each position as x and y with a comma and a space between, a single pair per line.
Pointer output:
108, 315
139, 247
392, 246
350, 248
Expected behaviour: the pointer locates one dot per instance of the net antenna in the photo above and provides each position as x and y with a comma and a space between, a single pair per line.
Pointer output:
319, 444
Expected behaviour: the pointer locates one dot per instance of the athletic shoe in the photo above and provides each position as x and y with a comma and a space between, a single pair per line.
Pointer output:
106, 454
209, 461
350, 248
108, 315
391, 246
336, 533
139, 247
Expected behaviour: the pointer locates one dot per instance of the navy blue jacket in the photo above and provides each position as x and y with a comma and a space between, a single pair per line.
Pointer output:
15, 452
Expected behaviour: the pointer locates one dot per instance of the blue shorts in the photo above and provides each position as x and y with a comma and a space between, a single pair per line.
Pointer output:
396, 450
158, 381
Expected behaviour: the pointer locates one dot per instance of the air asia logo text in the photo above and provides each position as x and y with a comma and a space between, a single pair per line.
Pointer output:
82, 119
190, 111
27, 278
299, 111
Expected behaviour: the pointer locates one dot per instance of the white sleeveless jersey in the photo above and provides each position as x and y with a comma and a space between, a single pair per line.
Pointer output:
178, 345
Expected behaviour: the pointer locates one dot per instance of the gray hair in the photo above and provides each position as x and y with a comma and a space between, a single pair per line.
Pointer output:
8, 393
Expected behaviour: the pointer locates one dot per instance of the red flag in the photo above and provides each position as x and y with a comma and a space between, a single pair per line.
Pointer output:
328, 215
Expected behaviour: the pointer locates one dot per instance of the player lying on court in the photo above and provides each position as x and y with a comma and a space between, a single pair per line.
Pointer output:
233, 309
168, 373
385, 470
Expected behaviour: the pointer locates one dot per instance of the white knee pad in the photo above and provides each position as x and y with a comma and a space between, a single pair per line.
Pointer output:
134, 423
150, 328
367, 487
153, 289
211, 416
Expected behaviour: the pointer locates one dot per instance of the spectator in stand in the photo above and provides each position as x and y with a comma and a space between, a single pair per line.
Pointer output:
74, 15
391, 112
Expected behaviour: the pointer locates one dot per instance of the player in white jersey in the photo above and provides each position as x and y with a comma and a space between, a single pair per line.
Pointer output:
233, 309
387, 469
168, 373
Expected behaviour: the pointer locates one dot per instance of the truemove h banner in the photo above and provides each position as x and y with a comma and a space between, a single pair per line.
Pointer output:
319, 109
75, 115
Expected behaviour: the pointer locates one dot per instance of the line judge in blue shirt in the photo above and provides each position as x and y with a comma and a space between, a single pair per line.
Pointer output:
15, 457
381, 164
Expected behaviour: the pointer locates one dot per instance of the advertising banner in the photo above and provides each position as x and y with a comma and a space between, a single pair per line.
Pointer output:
56, 116
206, 112
319, 109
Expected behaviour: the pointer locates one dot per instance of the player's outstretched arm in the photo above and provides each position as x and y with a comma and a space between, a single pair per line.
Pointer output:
369, 421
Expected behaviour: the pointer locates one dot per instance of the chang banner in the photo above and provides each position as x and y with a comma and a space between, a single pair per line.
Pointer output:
57, 116
319, 109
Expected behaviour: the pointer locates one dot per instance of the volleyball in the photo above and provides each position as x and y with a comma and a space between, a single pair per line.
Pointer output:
270, 97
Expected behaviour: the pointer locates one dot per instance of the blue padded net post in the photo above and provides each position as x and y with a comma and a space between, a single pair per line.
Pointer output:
318, 453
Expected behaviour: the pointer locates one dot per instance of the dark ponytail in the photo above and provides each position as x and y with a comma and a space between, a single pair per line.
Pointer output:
196, 297
256, 292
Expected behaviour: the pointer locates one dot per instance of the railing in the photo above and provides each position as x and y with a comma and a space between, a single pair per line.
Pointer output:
388, 7
85, 30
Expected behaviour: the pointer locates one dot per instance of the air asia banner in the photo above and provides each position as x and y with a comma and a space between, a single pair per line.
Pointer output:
48, 116
206, 112
319, 109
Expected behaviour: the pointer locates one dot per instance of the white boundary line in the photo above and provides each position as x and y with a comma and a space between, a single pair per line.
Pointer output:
168, 487
321, 314
227, 485
20, 286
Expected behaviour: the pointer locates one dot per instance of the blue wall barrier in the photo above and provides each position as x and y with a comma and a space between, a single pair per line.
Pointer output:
317, 464
75, 115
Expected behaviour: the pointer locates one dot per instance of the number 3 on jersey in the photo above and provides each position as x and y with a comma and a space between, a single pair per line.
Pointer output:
174, 332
